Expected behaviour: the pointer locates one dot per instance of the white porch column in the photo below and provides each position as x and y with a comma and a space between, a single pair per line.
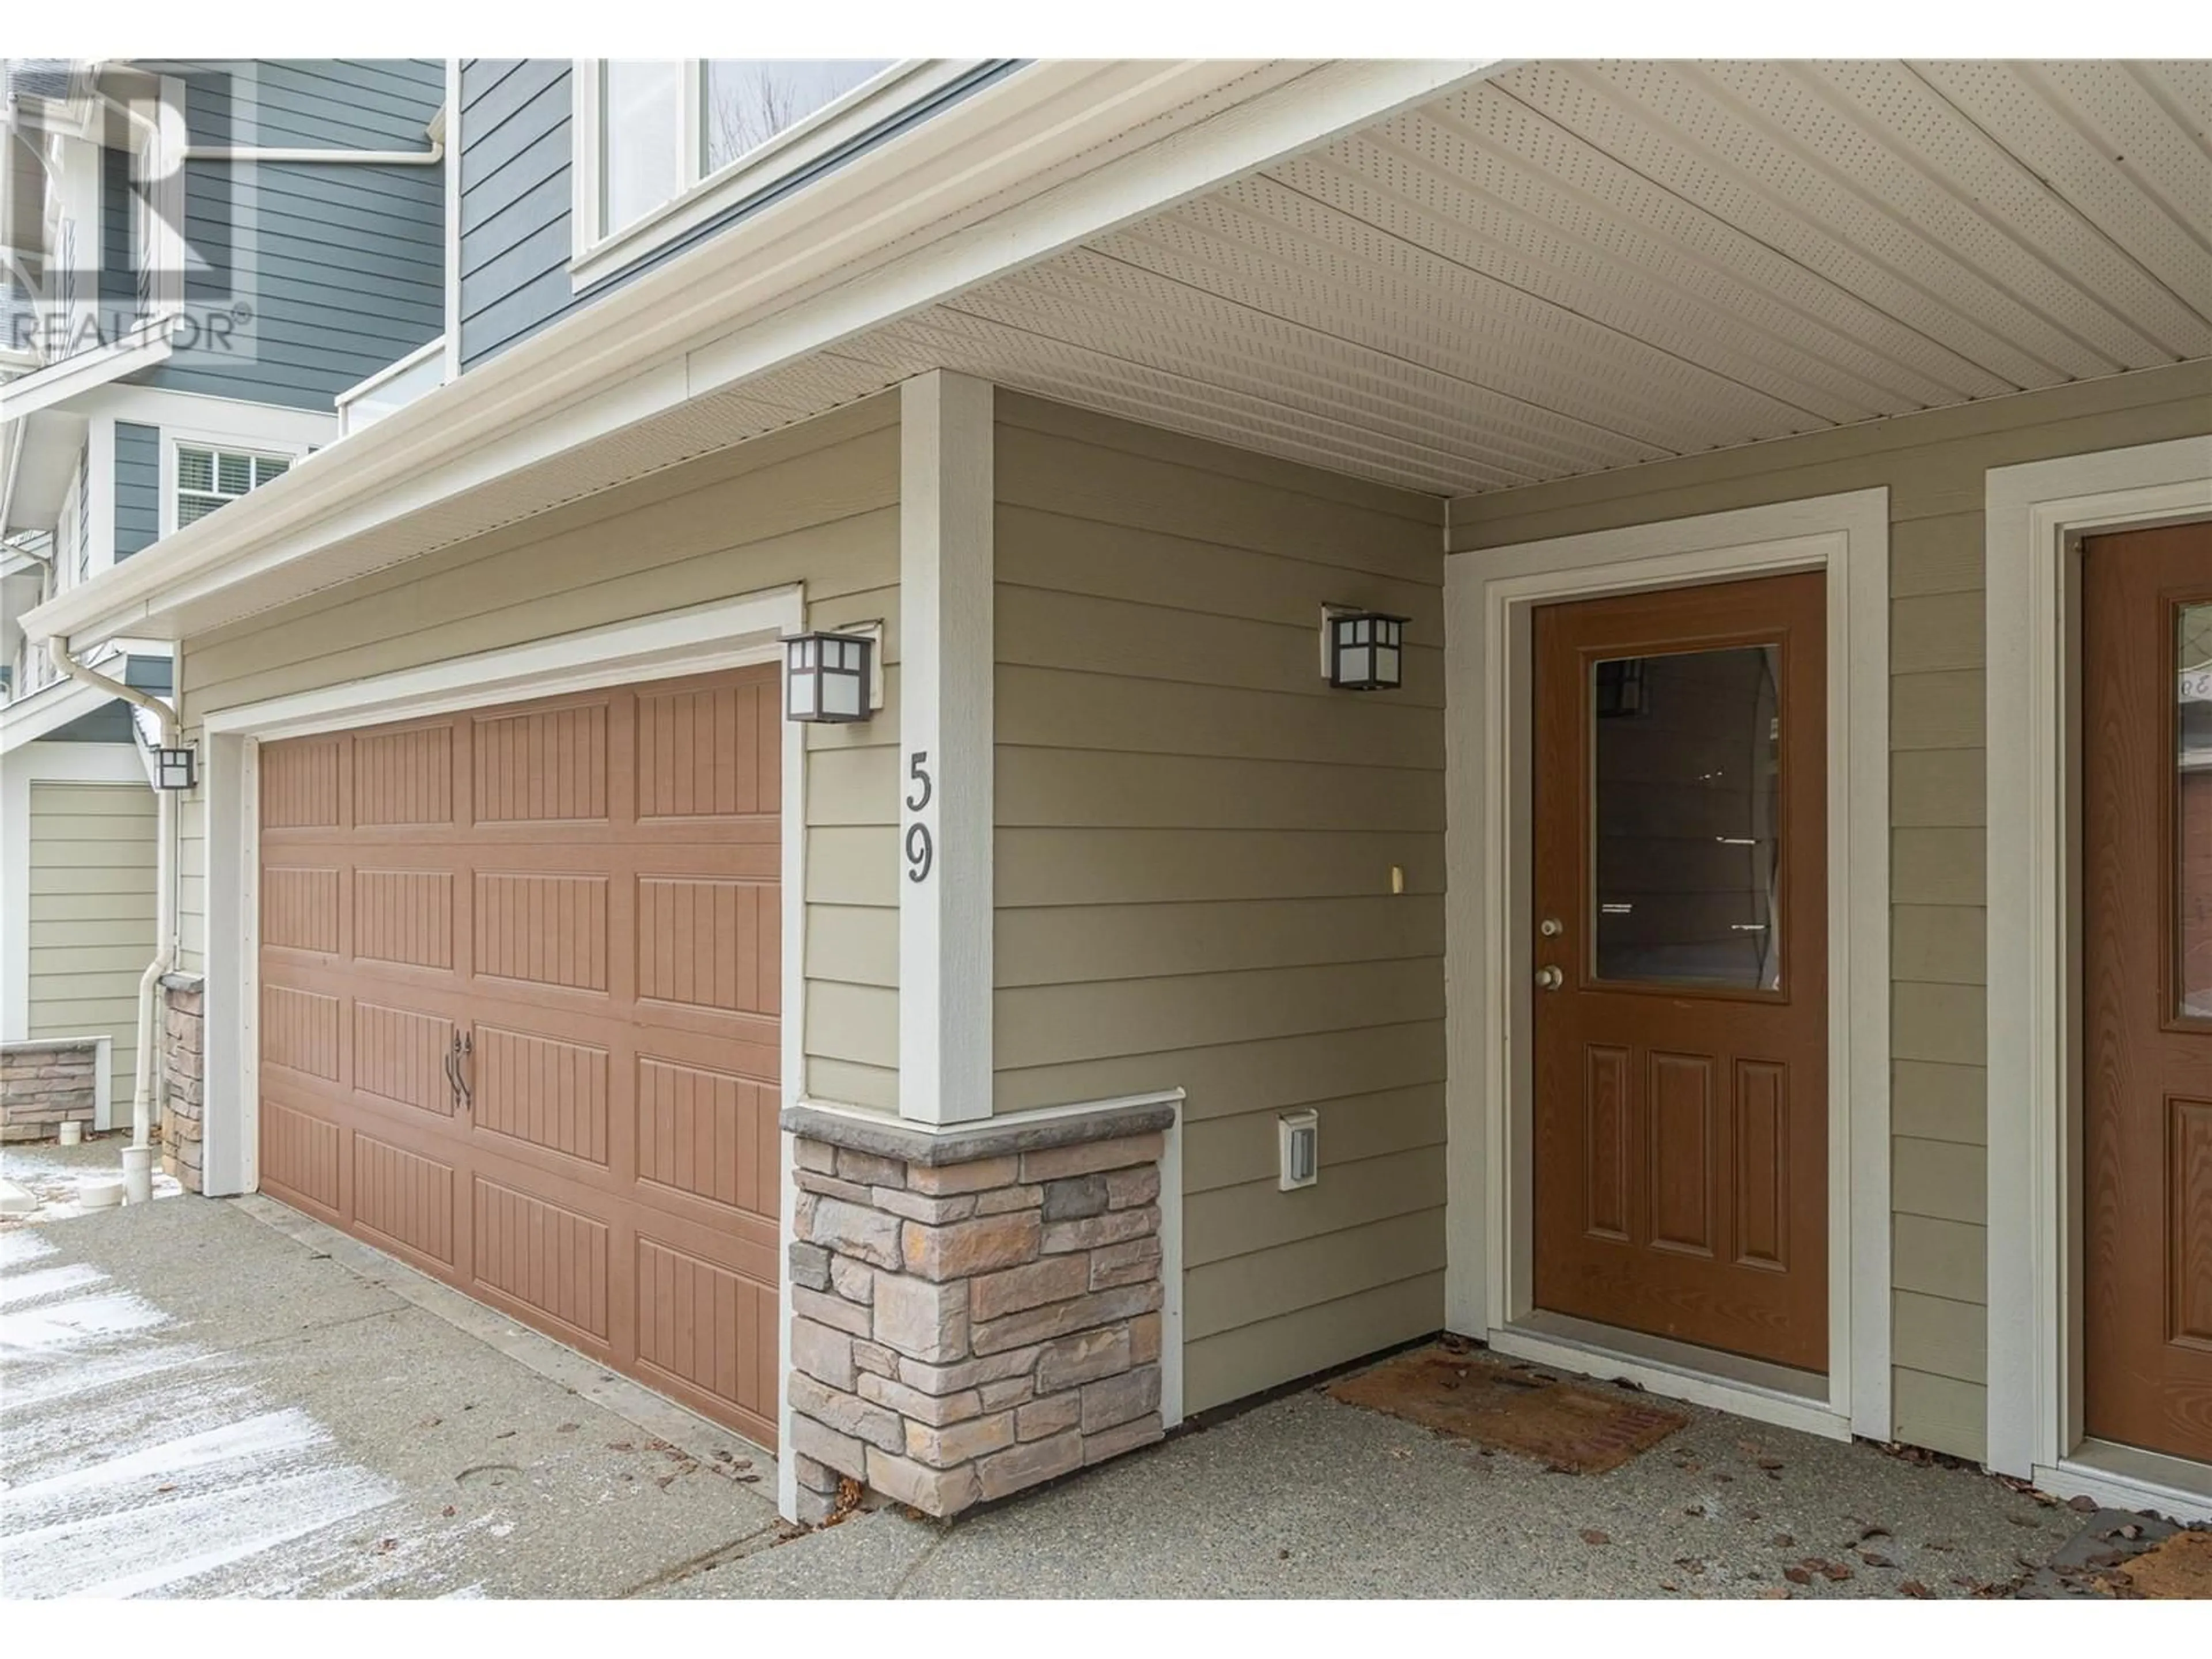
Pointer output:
945, 776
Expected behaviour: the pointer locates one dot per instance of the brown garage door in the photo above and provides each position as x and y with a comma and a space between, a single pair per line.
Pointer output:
581, 893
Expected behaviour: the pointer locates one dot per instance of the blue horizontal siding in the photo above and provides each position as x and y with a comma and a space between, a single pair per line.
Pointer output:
137, 487
516, 132
118, 279
347, 267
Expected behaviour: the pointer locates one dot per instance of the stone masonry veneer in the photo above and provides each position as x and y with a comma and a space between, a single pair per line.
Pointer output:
182, 1113
961, 1330
44, 1084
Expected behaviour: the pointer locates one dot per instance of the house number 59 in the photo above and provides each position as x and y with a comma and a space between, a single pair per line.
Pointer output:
921, 853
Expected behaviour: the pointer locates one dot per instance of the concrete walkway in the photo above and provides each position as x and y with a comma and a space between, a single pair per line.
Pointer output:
221, 1398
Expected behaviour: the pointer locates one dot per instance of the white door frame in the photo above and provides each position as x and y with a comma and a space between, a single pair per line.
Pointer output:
2037, 515
1489, 599
702, 639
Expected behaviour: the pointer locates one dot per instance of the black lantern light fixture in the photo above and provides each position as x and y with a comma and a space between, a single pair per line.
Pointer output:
176, 769
1366, 650
828, 678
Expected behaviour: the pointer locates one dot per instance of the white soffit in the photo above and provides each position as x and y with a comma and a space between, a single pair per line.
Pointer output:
1571, 267
1579, 266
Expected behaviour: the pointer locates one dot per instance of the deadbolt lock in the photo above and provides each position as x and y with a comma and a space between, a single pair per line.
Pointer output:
1551, 927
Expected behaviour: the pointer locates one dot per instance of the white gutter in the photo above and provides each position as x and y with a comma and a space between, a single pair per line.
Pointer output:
138, 1156
358, 158
1040, 160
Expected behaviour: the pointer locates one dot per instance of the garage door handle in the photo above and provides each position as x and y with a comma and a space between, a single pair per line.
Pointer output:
463, 1047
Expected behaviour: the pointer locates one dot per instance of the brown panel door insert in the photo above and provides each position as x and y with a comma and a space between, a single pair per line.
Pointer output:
1680, 854
2147, 988
521, 974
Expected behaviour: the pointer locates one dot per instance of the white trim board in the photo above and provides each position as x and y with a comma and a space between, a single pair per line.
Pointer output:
2036, 515
946, 747
1489, 599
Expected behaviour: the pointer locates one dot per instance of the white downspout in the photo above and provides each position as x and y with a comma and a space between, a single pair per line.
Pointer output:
139, 1158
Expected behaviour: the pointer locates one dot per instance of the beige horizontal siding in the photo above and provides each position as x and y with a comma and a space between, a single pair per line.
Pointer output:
91, 912
817, 504
1193, 846
1934, 467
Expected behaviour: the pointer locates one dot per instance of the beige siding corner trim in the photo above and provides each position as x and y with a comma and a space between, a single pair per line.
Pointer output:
947, 510
2037, 513
1489, 599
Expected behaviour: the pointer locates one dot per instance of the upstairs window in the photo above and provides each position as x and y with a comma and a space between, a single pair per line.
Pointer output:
206, 477
669, 124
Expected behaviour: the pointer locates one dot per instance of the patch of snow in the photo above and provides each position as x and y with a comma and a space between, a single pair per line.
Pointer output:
48, 1282
268, 1436
51, 1332
18, 1248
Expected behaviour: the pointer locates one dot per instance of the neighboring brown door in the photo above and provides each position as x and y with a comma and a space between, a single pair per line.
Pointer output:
1682, 1160
582, 893
2147, 988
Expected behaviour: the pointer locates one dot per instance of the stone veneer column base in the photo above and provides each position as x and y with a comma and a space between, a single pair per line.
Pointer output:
972, 1315
44, 1084
182, 1112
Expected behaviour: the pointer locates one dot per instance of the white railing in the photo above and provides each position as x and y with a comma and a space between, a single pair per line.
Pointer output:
391, 389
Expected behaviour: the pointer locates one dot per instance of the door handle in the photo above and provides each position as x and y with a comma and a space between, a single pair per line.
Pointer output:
1550, 979
463, 1046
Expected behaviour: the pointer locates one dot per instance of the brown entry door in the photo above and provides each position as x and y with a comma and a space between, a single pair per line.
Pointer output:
1681, 950
519, 1018
2147, 1025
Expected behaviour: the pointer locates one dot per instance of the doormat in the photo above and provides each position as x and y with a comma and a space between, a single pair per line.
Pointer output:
2179, 1570
1575, 1428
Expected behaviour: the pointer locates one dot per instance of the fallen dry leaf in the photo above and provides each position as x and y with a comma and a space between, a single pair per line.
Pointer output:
1866, 1533
1777, 1593
1784, 1540
1770, 1463
2083, 1505
1592, 1535
1797, 1575
448, 1509
1876, 1558
1917, 1590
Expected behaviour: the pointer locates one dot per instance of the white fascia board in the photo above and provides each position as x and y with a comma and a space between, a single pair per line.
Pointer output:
72, 377
819, 266
211, 417
49, 708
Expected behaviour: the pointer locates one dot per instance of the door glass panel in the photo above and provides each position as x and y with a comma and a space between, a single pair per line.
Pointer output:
1685, 752
2192, 797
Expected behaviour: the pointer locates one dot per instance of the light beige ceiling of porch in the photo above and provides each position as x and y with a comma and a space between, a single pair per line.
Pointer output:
1581, 266
1576, 267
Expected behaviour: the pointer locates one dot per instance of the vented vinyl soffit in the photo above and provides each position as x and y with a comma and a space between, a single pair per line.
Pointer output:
1564, 269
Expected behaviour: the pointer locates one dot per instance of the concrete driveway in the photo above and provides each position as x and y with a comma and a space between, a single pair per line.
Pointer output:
221, 1398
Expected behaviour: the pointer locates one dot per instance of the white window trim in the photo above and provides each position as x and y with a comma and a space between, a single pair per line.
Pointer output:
292, 451
1489, 598
837, 123
2036, 516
